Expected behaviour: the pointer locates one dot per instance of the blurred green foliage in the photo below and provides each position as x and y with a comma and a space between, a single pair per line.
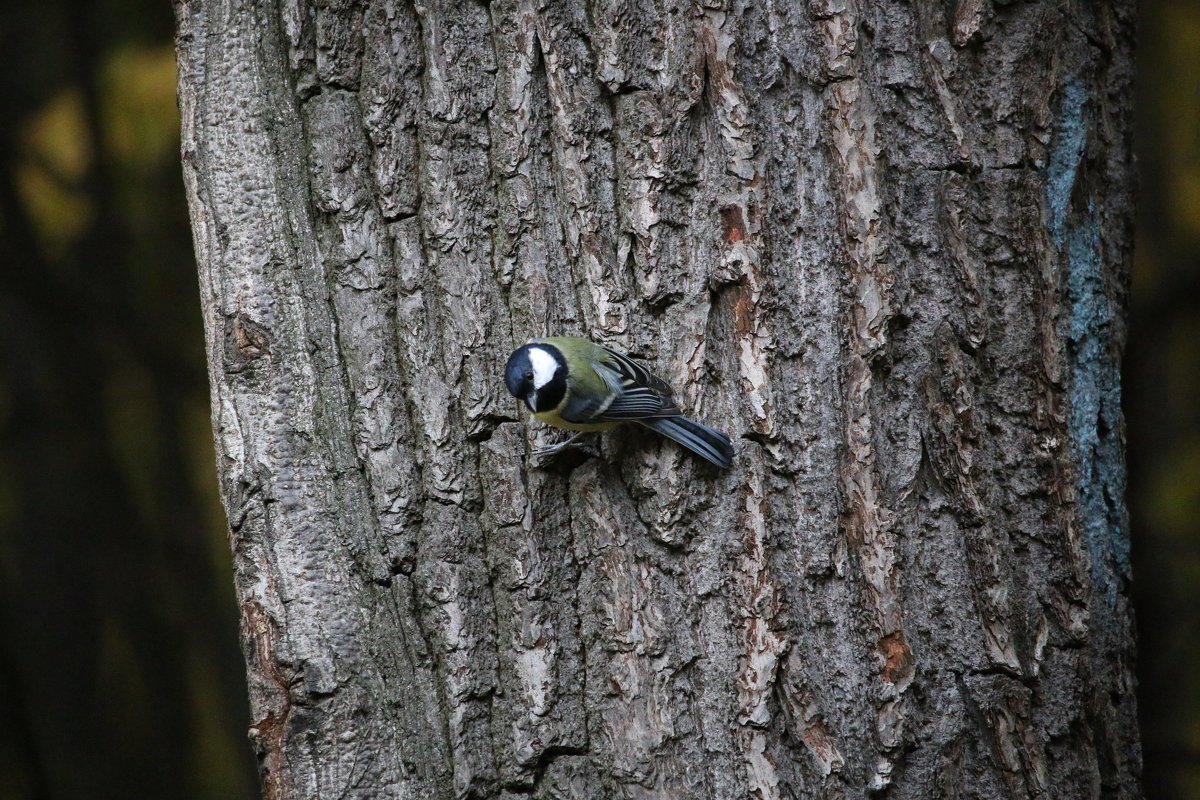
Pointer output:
119, 669
120, 673
1162, 397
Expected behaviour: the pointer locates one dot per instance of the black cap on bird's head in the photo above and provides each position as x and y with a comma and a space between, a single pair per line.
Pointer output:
537, 374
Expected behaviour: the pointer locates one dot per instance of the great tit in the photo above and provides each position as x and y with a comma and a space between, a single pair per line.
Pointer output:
581, 386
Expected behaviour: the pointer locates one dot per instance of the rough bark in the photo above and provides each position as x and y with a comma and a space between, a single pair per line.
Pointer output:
885, 246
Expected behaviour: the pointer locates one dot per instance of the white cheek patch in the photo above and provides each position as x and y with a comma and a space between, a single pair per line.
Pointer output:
544, 366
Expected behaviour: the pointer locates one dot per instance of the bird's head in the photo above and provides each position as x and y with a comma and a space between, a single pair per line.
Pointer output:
537, 374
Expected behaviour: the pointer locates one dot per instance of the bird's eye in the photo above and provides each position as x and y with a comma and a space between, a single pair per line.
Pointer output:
528, 374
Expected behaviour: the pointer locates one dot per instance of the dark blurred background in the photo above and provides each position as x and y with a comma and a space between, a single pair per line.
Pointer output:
120, 674
1162, 397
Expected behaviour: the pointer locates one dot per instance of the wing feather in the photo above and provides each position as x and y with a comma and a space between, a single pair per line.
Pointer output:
637, 392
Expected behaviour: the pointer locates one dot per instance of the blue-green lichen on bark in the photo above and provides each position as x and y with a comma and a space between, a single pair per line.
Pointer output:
1094, 417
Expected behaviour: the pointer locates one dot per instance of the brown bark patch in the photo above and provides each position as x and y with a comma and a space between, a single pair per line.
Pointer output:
743, 311
898, 658
267, 733
733, 223
245, 339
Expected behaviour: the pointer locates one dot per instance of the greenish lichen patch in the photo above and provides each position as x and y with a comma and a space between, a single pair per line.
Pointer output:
1094, 421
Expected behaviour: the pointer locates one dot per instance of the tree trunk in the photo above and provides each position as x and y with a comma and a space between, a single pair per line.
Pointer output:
885, 246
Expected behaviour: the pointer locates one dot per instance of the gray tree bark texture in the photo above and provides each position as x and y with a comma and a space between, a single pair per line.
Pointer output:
885, 245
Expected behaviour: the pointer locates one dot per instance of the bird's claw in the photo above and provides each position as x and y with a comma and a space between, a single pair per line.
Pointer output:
549, 450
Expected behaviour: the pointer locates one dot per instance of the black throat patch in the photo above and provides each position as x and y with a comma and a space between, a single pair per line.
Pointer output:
550, 395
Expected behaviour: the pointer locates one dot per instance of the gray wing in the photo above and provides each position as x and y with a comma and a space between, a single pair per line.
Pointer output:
637, 392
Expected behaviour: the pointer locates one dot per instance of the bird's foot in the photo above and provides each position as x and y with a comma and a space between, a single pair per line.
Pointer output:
565, 444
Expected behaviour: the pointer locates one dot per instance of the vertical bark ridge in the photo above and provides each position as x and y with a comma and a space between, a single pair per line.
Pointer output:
584, 172
306, 553
637, 661
456, 301
358, 254
868, 514
739, 181
538, 727
528, 235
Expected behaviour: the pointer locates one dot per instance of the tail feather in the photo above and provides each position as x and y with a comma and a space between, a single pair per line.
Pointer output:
702, 440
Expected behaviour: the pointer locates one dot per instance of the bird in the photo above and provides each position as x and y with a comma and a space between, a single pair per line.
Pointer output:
575, 384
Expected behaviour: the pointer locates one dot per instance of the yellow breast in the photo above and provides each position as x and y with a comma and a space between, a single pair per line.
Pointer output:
552, 418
